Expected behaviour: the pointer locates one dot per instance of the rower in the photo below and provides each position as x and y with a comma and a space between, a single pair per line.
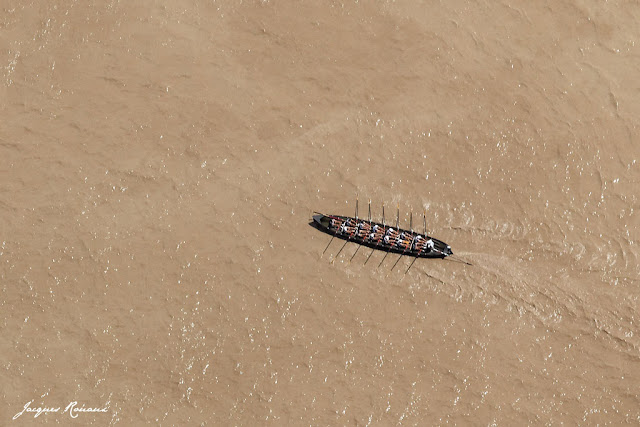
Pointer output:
387, 239
344, 228
403, 240
402, 237
430, 245
417, 242
376, 234
364, 226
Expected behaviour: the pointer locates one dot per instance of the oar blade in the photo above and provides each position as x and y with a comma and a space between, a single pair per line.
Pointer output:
336, 257
325, 249
394, 265
411, 265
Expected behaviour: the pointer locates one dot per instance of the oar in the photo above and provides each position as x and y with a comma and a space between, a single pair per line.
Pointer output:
398, 216
411, 265
335, 257
325, 249
372, 251
398, 260
405, 249
411, 221
424, 219
354, 254
417, 256
385, 256
356, 207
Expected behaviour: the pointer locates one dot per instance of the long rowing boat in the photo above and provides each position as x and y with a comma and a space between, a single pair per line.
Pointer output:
381, 236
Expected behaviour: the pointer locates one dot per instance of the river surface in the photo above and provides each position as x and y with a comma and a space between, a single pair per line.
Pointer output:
160, 163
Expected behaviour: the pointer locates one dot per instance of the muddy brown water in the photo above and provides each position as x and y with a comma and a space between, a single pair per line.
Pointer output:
160, 164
